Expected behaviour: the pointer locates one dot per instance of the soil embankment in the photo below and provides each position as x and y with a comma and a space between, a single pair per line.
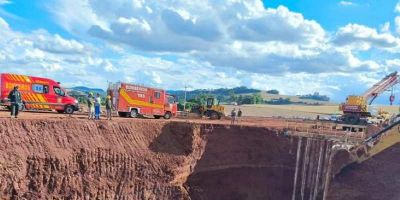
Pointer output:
156, 159
374, 179
78, 159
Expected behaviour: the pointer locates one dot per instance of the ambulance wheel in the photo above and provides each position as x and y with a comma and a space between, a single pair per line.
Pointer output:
69, 109
134, 113
167, 115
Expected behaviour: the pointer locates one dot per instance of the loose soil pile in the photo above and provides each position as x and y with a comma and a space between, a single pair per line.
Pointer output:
374, 179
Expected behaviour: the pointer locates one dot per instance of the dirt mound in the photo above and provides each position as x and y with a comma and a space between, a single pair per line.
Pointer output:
374, 179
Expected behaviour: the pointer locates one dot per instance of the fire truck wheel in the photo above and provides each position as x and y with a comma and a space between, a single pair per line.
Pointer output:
69, 109
167, 115
134, 113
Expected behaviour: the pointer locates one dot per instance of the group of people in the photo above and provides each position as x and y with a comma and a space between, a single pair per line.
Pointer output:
94, 106
235, 116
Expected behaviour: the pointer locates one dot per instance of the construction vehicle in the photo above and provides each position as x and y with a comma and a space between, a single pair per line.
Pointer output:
210, 108
355, 109
37, 94
136, 100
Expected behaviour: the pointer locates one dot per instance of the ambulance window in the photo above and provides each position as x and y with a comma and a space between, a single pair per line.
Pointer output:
59, 91
157, 95
45, 89
37, 88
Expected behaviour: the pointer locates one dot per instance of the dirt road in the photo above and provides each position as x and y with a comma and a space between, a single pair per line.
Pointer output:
245, 121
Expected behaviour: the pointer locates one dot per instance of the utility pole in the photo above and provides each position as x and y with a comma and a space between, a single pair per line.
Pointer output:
184, 104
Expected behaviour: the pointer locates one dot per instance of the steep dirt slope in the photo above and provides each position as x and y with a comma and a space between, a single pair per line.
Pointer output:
259, 163
76, 159
374, 179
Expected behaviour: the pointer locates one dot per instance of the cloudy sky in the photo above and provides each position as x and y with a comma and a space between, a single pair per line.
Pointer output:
333, 47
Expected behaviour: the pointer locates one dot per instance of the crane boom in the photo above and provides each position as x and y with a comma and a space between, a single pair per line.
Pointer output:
355, 109
381, 86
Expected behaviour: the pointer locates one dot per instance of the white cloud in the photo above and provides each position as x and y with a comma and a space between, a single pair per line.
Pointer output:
204, 44
57, 44
346, 3
397, 8
3, 2
385, 28
232, 34
3, 24
397, 24
42, 54
363, 38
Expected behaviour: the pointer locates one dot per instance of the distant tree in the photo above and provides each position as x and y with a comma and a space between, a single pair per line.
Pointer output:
240, 99
257, 99
280, 101
315, 96
232, 96
273, 91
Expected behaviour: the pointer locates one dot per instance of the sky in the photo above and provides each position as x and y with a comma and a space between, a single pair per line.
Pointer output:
332, 47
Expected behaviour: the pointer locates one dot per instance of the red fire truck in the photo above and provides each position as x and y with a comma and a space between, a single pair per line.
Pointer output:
135, 100
37, 93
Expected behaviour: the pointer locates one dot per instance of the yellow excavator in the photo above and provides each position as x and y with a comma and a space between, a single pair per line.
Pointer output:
355, 109
377, 143
210, 109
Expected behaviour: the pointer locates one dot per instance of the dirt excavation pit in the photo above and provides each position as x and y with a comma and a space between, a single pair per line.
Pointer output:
153, 159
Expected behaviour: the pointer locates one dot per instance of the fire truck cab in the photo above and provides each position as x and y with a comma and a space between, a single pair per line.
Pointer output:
37, 93
135, 100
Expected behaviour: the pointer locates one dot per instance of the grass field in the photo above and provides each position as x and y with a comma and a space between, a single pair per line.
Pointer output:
298, 111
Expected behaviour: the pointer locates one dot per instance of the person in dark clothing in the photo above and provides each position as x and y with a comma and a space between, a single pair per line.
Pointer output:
239, 115
233, 116
109, 107
15, 99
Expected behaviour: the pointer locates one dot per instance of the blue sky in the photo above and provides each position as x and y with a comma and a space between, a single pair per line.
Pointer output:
333, 47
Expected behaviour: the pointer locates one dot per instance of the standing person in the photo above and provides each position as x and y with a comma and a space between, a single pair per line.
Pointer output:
15, 98
109, 107
239, 115
233, 116
90, 102
97, 104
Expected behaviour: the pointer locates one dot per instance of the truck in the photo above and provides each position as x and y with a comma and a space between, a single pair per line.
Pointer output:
41, 94
132, 100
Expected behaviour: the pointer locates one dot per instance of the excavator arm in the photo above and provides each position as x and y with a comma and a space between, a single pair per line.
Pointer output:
378, 142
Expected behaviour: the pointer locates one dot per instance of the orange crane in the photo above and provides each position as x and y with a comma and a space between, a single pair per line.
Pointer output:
355, 109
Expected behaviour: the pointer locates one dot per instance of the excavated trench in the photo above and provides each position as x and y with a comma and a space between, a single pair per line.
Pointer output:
149, 159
